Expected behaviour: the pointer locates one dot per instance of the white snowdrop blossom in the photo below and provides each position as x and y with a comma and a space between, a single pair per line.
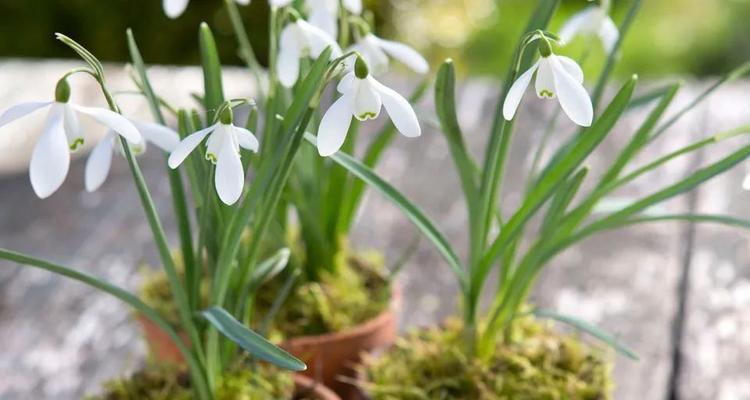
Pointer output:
100, 160
62, 134
223, 149
175, 8
746, 181
362, 97
301, 39
325, 13
556, 77
376, 52
592, 21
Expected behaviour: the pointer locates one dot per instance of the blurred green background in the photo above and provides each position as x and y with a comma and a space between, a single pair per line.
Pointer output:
699, 37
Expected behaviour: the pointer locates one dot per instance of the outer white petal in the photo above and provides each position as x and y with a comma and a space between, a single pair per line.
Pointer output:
246, 139
50, 160
280, 3
21, 110
354, 6
345, 84
187, 146
572, 68
72, 128
160, 135
404, 54
545, 80
114, 121
746, 183
516, 91
579, 23
335, 125
608, 34
325, 20
401, 112
574, 99
367, 101
230, 176
99, 162
242, 2
174, 8
375, 57
289, 55
318, 40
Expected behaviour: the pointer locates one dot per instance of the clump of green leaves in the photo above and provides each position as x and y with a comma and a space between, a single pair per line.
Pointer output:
538, 363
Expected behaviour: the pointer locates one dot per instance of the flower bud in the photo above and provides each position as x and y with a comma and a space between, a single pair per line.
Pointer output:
62, 91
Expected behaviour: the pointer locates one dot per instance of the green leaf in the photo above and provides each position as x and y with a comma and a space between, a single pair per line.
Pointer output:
562, 200
212, 84
252, 342
416, 215
726, 220
590, 329
268, 269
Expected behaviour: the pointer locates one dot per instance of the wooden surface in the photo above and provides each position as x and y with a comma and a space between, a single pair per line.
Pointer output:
60, 340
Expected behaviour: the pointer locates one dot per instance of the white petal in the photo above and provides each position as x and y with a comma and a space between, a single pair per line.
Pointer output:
50, 160
354, 6
545, 80
579, 23
280, 3
318, 40
72, 128
187, 146
574, 99
367, 102
246, 139
516, 91
230, 176
160, 135
242, 2
375, 57
99, 162
174, 8
334, 126
401, 112
746, 183
289, 55
405, 54
325, 20
114, 121
345, 84
21, 110
608, 34
572, 68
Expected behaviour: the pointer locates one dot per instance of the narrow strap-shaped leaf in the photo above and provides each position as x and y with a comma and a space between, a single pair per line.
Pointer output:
269, 268
412, 211
562, 200
252, 342
124, 296
590, 329
212, 82
727, 220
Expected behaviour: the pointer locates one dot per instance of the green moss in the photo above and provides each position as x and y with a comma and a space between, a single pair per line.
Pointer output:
354, 294
538, 364
158, 382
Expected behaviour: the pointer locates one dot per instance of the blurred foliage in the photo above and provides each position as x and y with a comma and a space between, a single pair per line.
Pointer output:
699, 37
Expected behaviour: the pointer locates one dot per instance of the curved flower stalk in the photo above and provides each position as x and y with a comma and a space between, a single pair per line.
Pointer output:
50, 160
301, 39
362, 97
175, 8
594, 20
100, 160
376, 52
222, 149
556, 77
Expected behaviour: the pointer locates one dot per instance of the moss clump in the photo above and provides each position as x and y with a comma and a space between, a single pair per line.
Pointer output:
161, 382
538, 364
355, 293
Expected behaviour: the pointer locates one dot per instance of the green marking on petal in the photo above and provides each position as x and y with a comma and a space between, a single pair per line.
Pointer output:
367, 115
546, 94
211, 157
77, 144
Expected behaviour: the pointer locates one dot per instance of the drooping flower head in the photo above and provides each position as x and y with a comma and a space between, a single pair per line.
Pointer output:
301, 39
362, 97
50, 160
556, 77
594, 20
175, 8
377, 53
222, 149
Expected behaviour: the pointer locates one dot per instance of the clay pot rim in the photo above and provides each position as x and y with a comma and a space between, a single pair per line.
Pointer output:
322, 392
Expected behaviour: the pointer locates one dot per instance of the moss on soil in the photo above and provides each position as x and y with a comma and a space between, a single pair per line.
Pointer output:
161, 382
538, 364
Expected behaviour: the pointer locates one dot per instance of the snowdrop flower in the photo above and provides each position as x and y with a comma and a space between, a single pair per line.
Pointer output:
62, 135
100, 160
592, 21
301, 39
223, 149
175, 8
556, 77
325, 13
376, 52
362, 97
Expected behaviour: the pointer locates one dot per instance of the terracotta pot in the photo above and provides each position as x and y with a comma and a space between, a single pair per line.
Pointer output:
160, 345
307, 388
